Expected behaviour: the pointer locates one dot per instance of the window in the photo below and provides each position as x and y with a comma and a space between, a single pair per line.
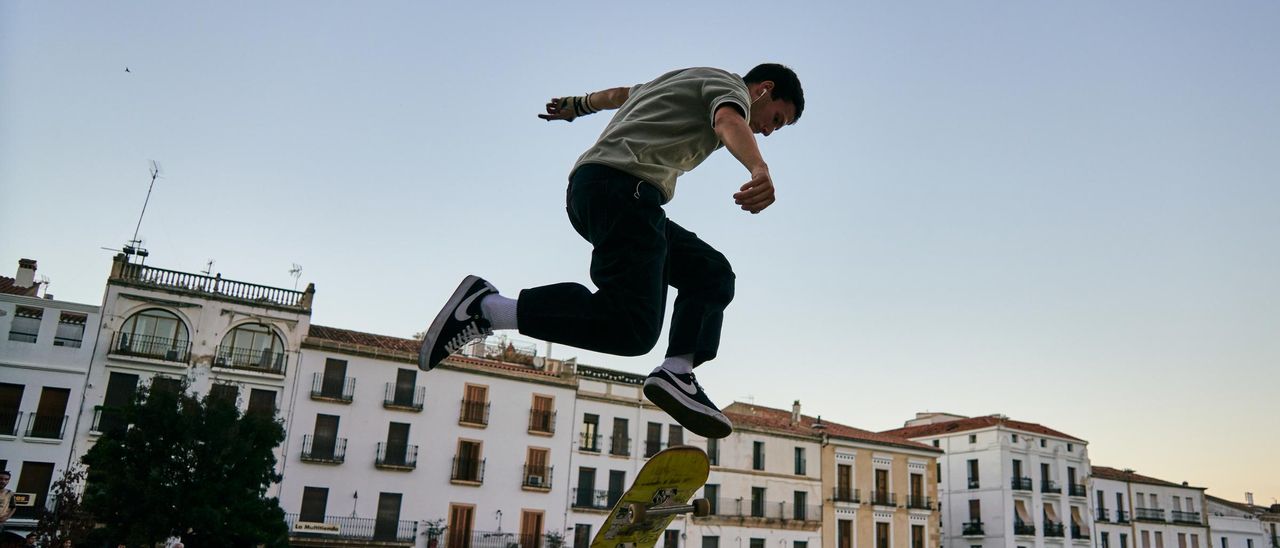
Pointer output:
937, 471
531, 528
973, 438
757, 502
713, 451
652, 439
1015, 438
50, 419
542, 415
800, 505
387, 522
975, 511
26, 324
844, 483
881, 487
973, 473
757, 543
35, 478
917, 492
757, 455
1104, 539
224, 393
334, 382
468, 466
323, 444
1224, 542
937, 443
1124, 540
314, 500
10, 402
800, 544
582, 536
844, 533
711, 492
620, 440
1182, 540
1146, 539
617, 485
586, 490
882, 534
1160, 539
70, 329
1042, 443
671, 538
121, 388
261, 402
675, 435
1070, 447
396, 449
475, 406
462, 522
153, 333
252, 346
536, 472
405, 391
168, 385
710, 542
917, 536
590, 433
800, 464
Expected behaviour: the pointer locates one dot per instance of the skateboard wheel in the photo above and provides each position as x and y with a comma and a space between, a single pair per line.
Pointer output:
637, 513
701, 508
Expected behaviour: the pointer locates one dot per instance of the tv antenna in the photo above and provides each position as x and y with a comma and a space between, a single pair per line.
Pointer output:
134, 246
208, 268
295, 272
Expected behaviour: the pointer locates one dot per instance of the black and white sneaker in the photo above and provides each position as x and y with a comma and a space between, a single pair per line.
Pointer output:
458, 323
682, 397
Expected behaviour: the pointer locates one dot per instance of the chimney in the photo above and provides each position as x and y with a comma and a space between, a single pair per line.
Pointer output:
1248, 499
795, 413
26, 276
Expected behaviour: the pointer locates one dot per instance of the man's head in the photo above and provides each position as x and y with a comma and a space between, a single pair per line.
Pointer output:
4, 478
776, 97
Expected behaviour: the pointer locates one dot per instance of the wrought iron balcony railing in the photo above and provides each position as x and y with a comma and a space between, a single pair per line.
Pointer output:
919, 502
352, 529
9, 422
1049, 486
845, 494
1184, 517
652, 447
620, 446
340, 390
1022, 484
406, 397
1076, 490
884, 498
325, 450
251, 359
1102, 515
971, 528
974, 483
396, 456
537, 477
762, 509
48, 427
467, 470
107, 419
589, 443
1023, 528
146, 346
1079, 532
1122, 516
1053, 529
1148, 514
595, 499
542, 421
474, 412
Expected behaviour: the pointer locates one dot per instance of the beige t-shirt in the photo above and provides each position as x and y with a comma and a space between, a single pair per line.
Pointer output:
665, 127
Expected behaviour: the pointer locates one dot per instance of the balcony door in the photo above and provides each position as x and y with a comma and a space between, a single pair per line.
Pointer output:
397, 443
461, 523
406, 381
326, 436
51, 413
314, 500
335, 376
387, 524
586, 487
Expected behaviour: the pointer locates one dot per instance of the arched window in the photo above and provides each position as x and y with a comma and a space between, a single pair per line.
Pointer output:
154, 333
252, 346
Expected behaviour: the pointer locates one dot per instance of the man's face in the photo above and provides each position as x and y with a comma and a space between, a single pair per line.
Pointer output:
769, 115
4, 480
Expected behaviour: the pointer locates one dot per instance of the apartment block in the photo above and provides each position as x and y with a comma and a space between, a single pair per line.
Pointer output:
1156, 513
1235, 524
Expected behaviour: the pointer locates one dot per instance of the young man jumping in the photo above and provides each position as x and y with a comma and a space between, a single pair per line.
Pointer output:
663, 128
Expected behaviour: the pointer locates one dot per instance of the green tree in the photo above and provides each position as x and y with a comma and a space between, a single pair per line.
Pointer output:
67, 520
186, 466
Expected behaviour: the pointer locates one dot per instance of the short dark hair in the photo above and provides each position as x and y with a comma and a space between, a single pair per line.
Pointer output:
5, 473
786, 85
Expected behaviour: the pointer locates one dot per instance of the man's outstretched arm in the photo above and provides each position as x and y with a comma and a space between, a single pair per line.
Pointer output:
568, 108
733, 131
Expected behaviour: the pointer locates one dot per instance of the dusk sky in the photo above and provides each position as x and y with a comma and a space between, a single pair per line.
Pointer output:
1068, 212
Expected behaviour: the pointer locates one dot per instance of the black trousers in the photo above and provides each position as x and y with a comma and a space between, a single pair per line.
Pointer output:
637, 253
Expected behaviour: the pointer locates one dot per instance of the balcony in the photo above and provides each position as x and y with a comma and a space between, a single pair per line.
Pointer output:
1102, 515
1050, 486
592, 499
107, 419
884, 498
9, 422
1053, 529
1023, 528
974, 483
467, 471
652, 447
537, 478
765, 510
1076, 490
353, 531
1148, 514
918, 502
250, 359
1022, 484
155, 348
324, 451
46, 427
1185, 517
620, 446
589, 443
845, 494
396, 456
474, 413
338, 390
542, 421
496, 539
1122, 516
972, 529
1078, 532
404, 397
136, 274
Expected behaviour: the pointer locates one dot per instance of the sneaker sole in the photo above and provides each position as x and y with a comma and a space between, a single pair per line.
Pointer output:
433, 332
669, 397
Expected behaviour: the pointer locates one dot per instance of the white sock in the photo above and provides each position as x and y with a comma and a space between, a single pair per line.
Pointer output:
680, 365
500, 311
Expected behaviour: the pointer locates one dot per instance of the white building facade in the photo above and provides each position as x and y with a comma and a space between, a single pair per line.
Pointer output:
1234, 525
1159, 514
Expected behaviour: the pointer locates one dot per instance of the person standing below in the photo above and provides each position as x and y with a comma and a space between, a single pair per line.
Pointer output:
662, 129
6, 499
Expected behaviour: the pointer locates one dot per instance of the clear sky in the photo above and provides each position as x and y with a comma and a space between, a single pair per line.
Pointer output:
1066, 212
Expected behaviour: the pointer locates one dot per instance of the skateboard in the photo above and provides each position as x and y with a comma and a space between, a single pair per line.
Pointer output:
660, 492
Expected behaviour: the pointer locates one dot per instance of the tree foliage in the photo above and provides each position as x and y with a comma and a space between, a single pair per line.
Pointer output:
67, 520
187, 466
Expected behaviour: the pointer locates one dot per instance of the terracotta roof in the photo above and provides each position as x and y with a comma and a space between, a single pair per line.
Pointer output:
745, 414
7, 286
1106, 472
408, 348
1241, 506
976, 423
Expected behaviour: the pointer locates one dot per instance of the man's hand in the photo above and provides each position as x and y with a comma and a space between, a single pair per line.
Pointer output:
757, 194
559, 108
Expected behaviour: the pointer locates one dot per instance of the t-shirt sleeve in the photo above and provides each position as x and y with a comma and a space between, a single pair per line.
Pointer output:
727, 89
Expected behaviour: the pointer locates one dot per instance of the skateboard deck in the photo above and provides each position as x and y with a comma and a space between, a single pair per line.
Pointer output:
660, 491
